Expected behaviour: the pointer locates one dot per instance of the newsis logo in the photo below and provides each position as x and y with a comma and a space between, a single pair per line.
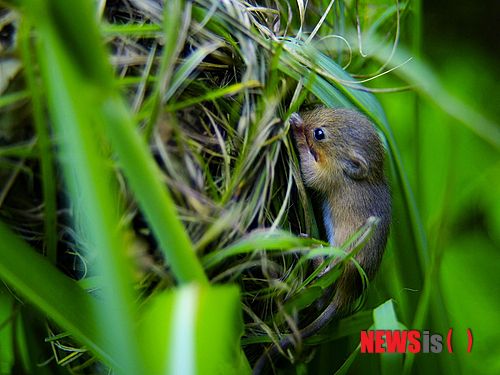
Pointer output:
411, 341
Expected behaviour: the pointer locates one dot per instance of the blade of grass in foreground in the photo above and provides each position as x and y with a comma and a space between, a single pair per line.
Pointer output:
110, 111
70, 70
95, 203
44, 146
78, 79
142, 172
61, 298
202, 326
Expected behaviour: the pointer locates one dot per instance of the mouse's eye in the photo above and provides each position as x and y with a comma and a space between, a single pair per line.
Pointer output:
319, 134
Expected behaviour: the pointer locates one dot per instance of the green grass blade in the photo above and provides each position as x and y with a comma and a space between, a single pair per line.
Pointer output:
7, 321
143, 176
339, 83
212, 95
202, 327
177, 15
275, 240
44, 146
64, 53
188, 67
134, 30
59, 297
138, 165
25, 150
13, 98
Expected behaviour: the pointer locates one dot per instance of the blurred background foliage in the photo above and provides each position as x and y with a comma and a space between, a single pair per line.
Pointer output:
456, 178
210, 95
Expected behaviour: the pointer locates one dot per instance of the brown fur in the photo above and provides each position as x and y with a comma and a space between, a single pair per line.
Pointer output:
347, 170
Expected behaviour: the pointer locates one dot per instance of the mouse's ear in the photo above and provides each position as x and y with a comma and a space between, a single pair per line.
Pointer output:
355, 165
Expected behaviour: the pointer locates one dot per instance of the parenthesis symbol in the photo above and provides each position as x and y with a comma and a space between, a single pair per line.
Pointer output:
469, 335
448, 340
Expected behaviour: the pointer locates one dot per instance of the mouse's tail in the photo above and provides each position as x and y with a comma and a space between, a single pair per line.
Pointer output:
271, 353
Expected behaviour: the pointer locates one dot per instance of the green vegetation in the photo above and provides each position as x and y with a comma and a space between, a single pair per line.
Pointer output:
151, 204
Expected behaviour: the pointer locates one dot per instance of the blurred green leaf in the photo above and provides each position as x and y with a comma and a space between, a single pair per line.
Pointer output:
84, 81
200, 330
44, 144
426, 83
9, 99
469, 279
7, 320
56, 295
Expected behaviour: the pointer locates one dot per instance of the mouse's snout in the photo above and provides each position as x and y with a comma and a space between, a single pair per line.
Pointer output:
296, 121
